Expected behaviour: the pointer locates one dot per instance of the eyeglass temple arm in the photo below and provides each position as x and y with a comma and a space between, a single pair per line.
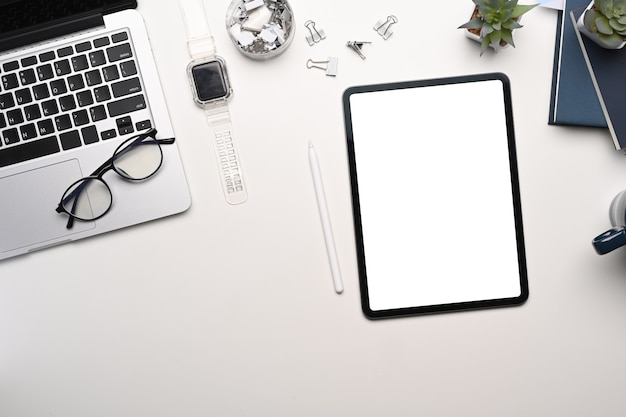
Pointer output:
167, 141
73, 194
70, 220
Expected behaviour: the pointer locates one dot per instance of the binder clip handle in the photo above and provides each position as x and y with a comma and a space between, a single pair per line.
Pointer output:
330, 67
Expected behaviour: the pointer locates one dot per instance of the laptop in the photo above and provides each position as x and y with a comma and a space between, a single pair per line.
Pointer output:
77, 79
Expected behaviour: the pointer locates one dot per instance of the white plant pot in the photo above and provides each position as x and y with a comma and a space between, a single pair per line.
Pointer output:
591, 35
495, 47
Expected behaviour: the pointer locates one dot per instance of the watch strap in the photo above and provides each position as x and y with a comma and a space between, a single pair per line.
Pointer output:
227, 154
200, 43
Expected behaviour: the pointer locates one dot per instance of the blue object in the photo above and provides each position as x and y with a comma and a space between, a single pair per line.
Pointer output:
573, 98
608, 65
610, 240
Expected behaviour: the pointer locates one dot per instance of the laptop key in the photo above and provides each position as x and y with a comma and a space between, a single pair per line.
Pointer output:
80, 118
6, 101
98, 113
97, 58
10, 66
23, 96
27, 76
41, 91
125, 125
119, 52
126, 87
3, 122
75, 82
83, 46
28, 61
126, 105
100, 42
128, 68
143, 125
15, 117
10, 81
93, 78
29, 150
45, 127
32, 112
63, 122
90, 135
47, 56
45, 72
68, 50
84, 98
49, 107
108, 134
11, 136
70, 140
58, 87
80, 63
28, 131
62, 67
110, 73
102, 93
67, 103
119, 37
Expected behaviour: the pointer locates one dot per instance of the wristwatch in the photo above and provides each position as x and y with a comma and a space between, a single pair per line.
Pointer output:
211, 89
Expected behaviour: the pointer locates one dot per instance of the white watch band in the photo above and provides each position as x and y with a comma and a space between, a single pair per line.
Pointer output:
227, 155
200, 43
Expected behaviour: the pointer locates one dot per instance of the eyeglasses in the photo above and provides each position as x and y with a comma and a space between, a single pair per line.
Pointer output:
136, 159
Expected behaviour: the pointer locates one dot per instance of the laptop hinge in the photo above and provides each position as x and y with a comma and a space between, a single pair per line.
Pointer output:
61, 28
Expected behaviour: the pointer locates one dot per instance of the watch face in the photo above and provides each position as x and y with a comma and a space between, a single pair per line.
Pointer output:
209, 81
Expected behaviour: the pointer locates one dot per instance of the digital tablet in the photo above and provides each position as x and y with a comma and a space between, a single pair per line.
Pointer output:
435, 195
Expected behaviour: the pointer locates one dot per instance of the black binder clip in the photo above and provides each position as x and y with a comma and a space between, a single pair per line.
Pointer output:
357, 46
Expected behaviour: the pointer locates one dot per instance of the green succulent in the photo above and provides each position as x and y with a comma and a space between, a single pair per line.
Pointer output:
607, 18
496, 20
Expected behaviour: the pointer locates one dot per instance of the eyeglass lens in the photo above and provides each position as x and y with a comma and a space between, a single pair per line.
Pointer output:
138, 158
87, 199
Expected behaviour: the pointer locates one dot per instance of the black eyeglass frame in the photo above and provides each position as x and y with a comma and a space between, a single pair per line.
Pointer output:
109, 165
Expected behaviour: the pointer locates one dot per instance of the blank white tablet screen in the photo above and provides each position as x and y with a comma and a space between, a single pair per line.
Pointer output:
435, 193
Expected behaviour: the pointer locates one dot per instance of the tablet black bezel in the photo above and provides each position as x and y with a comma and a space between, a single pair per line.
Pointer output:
439, 308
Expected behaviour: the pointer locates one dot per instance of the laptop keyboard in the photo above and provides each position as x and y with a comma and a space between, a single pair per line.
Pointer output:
70, 96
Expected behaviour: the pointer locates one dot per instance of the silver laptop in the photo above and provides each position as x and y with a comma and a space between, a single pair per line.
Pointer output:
77, 79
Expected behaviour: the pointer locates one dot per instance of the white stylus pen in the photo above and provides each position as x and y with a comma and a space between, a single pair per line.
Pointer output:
324, 216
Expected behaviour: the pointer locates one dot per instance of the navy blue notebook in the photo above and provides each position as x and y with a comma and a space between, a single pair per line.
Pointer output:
573, 99
607, 68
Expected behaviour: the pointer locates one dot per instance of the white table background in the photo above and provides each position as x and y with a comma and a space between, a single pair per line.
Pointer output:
230, 310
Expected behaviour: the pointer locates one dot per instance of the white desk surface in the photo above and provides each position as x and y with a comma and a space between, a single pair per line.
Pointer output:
230, 310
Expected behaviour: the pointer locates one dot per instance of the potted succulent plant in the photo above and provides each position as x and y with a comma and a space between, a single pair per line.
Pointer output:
493, 21
604, 22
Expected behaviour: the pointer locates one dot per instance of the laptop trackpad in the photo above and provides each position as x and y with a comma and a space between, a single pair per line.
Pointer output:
33, 220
